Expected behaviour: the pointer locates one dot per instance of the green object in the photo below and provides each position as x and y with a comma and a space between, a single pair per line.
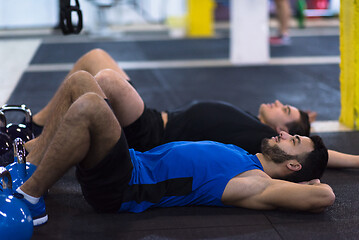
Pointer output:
301, 6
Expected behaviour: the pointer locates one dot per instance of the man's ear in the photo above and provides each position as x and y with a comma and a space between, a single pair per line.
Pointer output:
281, 128
294, 165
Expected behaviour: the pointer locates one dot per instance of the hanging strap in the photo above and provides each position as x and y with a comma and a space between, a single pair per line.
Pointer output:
66, 11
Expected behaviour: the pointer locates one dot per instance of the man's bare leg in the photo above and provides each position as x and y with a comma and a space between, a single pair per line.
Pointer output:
124, 99
75, 86
92, 62
95, 61
86, 134
283, 16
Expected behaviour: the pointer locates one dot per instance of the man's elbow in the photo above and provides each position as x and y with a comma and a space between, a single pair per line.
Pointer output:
332, 198
328, 196
326, 200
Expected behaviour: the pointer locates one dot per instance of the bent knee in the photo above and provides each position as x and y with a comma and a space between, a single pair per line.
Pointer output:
90, 99
89, 103
105, 75
79, 78
87, 111
97, 53
108, 77
88, 107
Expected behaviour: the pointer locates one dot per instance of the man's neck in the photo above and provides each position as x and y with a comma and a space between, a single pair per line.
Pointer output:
264, 122
260, 119
271, 168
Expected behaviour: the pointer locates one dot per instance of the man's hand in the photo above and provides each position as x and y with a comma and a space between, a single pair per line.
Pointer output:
312, 115
311, 182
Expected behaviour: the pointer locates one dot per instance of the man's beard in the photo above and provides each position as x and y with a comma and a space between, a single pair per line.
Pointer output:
276, 154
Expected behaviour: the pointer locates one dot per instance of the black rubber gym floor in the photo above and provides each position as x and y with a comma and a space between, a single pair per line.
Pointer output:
314, 87
180, 49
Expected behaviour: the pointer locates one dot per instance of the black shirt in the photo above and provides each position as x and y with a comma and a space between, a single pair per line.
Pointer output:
217, 121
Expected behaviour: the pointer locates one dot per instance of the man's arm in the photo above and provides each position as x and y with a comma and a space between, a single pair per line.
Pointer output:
258, 192
342, 160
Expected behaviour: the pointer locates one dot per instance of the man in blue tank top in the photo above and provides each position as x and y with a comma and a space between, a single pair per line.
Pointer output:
114, 178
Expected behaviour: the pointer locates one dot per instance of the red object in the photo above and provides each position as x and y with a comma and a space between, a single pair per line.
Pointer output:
317, 4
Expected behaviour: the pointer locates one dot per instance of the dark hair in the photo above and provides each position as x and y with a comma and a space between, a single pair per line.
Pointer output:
300, 127
313, 163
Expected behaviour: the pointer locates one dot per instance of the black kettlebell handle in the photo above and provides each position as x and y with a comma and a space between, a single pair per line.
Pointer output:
2, 122
5, 178
22, 108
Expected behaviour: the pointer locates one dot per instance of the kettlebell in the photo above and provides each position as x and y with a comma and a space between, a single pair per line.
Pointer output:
15, 218
21, 130
20, 170
5, 141
2, 122
6, 153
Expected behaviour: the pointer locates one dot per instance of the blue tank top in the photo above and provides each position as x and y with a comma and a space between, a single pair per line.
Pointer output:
184, 174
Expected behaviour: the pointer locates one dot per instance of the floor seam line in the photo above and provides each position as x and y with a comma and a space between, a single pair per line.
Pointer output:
274, 227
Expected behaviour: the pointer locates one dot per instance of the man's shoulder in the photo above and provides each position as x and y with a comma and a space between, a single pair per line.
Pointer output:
245, 185
253, 173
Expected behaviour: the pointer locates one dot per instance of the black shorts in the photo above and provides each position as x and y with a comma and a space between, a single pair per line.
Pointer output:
103, 185
146, 132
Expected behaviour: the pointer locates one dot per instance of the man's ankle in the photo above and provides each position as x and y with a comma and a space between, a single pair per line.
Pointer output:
29, 198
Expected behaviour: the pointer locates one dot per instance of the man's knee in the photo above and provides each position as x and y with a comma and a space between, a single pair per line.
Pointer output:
90, 101
88, 106
79, 79
96, 53
91, 112
108, 77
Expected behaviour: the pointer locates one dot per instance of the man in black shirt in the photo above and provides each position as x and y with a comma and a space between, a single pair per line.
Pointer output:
216, 121
146, 128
